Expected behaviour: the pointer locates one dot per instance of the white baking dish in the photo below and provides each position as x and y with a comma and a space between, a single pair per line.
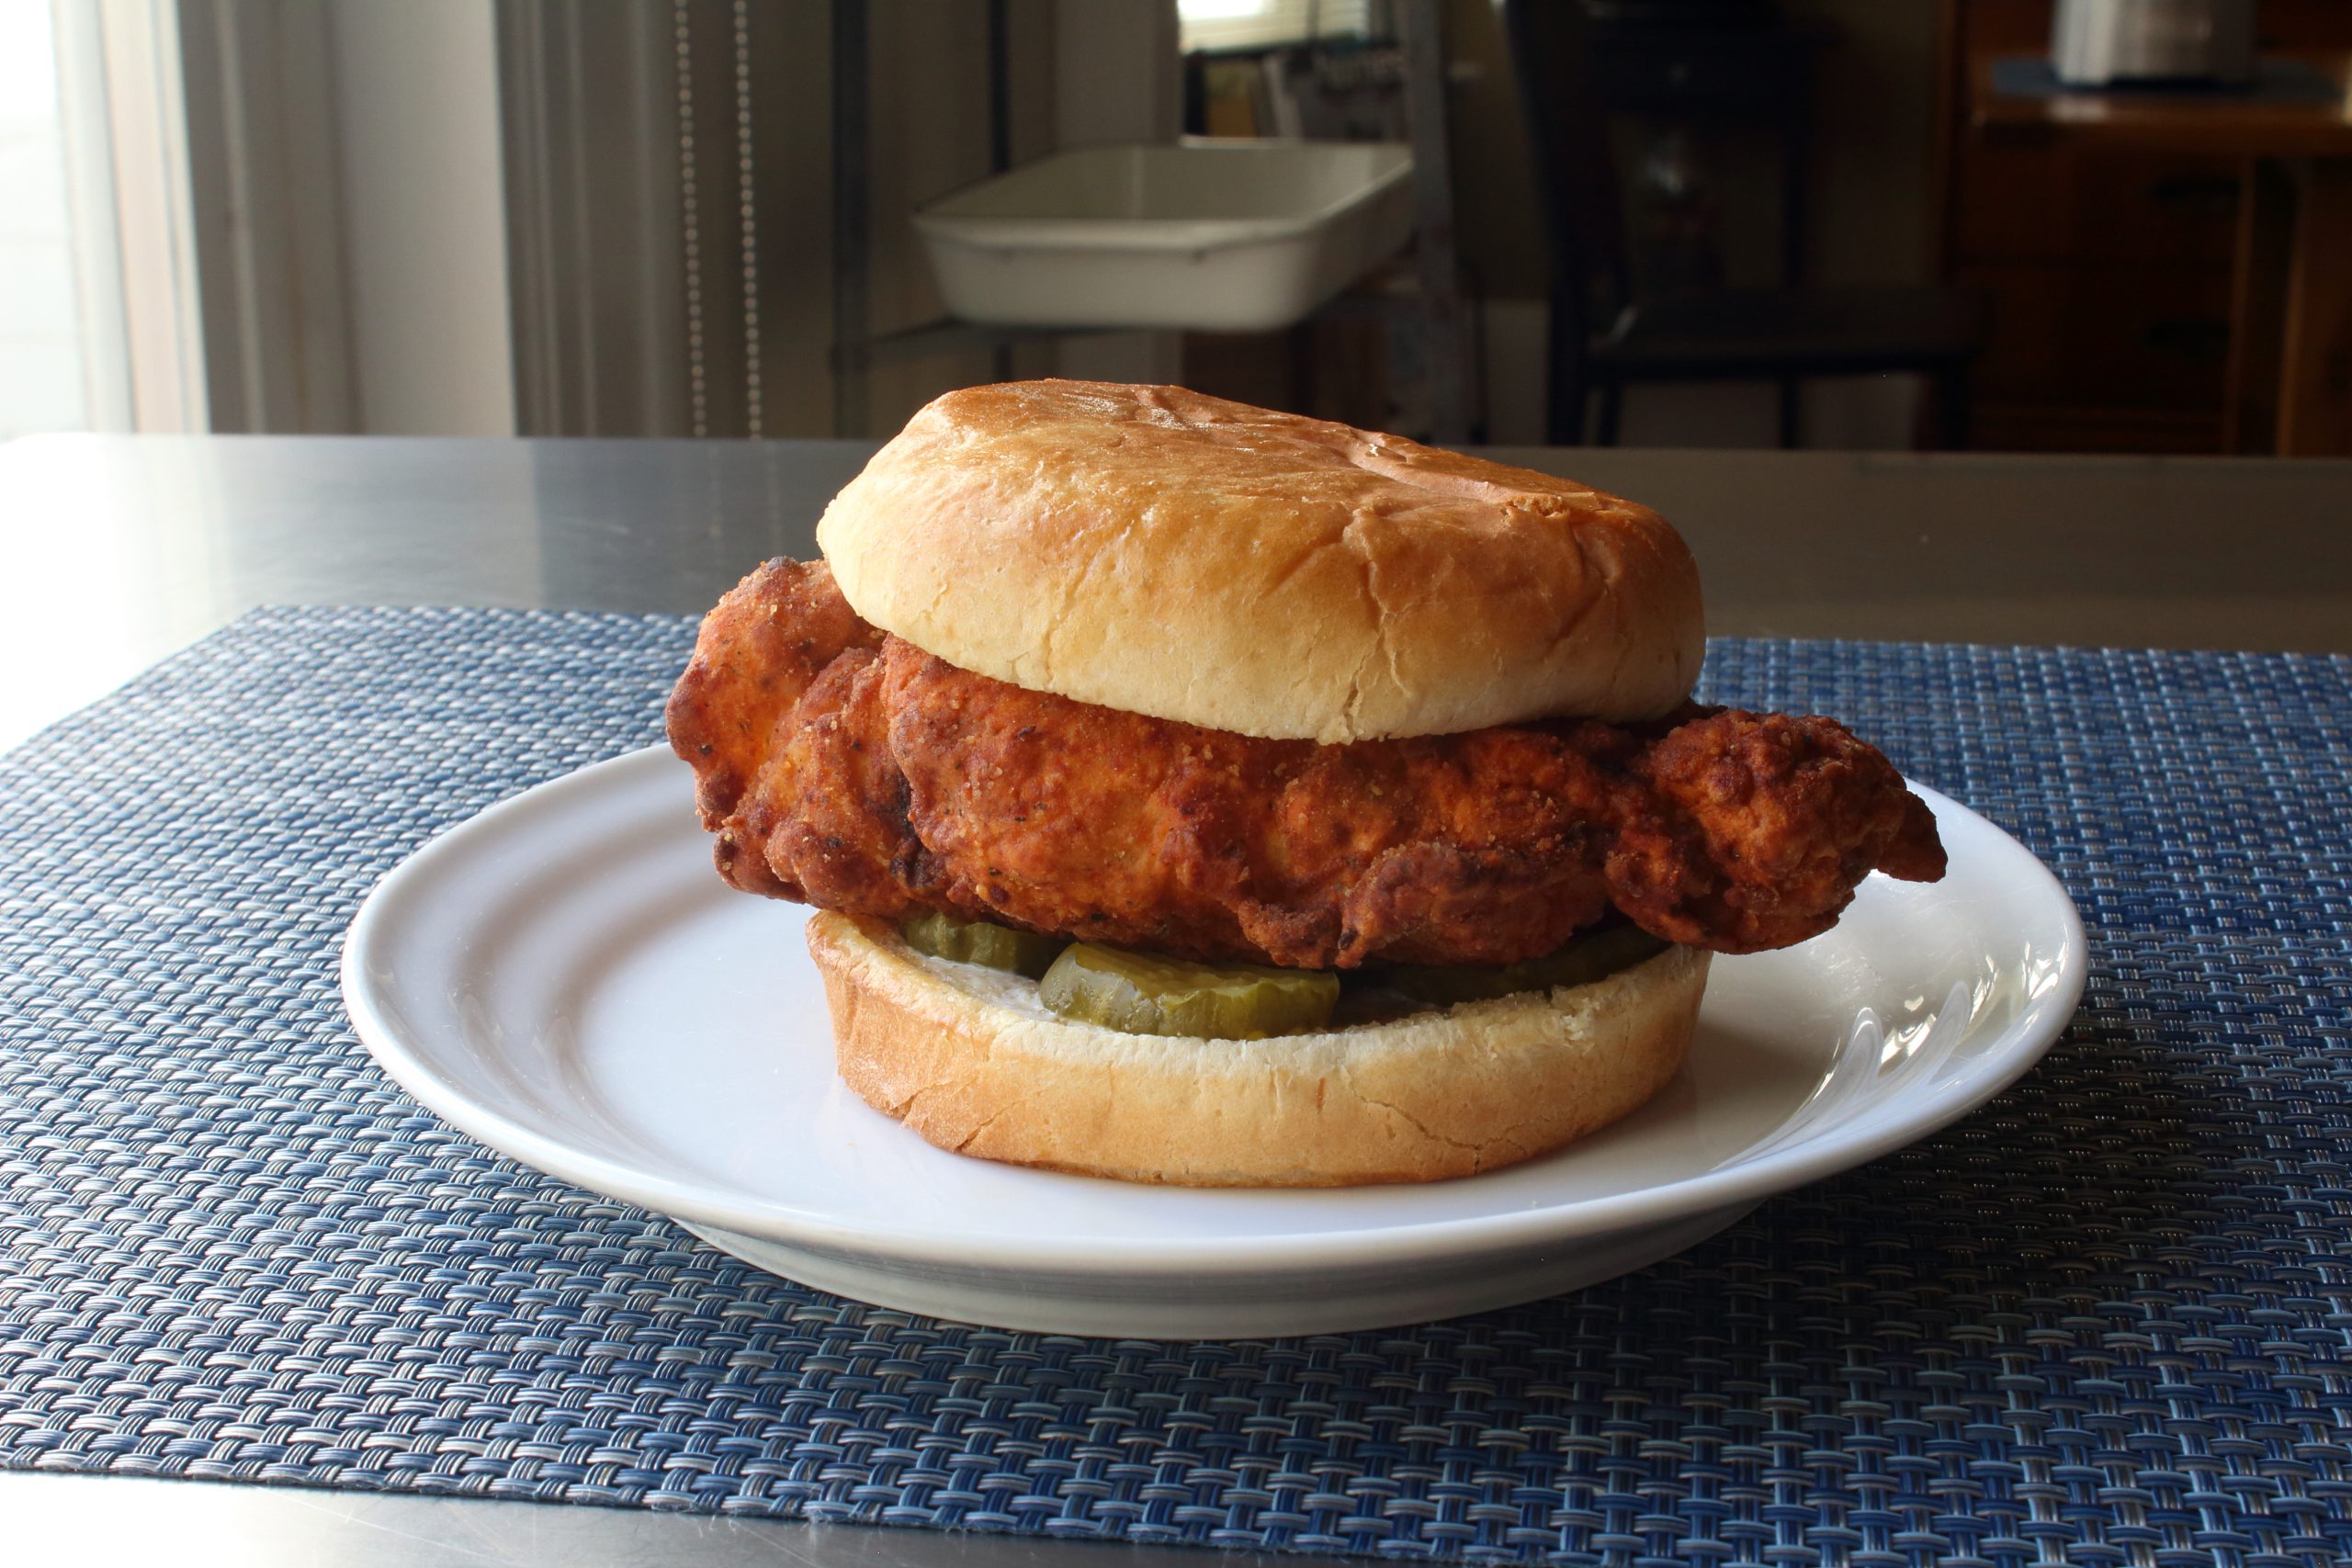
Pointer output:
1207, 235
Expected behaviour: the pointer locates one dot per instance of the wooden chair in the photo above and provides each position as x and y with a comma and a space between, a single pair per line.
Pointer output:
1602, 338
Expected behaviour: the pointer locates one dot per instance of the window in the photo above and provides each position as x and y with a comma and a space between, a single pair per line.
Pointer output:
42, 384
1262, 24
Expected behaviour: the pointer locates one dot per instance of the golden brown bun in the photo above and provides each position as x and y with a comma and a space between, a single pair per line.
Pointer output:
1152, 550
971, 1060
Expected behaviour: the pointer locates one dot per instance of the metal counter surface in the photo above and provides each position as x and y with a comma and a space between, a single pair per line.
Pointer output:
121, 549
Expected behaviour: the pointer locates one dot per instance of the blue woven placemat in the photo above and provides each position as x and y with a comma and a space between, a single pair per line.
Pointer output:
2104, 1321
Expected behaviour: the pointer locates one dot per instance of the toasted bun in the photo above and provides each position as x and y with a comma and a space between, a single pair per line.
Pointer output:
1152, 550
969, 1058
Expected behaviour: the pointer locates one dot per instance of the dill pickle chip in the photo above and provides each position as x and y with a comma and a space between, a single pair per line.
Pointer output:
1144, 994
1594, 956
978, 942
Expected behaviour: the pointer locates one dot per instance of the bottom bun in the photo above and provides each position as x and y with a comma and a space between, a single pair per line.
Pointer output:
971, 1059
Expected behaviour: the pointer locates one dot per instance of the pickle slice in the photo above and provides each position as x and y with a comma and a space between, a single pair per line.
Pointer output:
978, 941
1144, 994
1594, 956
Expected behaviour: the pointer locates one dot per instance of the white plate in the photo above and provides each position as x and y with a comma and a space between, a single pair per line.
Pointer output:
565, 977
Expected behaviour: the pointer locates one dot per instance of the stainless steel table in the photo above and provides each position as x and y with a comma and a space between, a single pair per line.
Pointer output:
119, 551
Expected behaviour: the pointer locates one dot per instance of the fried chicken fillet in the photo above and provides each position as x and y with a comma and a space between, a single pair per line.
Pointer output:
848, 769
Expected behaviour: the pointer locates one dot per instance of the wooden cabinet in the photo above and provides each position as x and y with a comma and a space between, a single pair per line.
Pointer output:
2124, 340
2114, 273
2059, 205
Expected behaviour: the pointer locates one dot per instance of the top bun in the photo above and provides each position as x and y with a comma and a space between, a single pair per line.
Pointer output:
1152, 550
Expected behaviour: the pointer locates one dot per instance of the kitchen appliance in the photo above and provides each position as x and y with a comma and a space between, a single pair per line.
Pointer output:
2097, 44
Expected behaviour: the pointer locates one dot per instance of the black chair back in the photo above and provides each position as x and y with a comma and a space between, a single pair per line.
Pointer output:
1576, 189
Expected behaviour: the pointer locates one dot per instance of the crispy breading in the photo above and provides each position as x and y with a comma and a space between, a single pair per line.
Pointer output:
860, 774
754, 661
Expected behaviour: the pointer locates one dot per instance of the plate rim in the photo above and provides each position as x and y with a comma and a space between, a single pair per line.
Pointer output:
2022, 1043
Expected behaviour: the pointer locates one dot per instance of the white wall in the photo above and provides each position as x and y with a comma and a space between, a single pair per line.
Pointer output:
425, 214
1116, 78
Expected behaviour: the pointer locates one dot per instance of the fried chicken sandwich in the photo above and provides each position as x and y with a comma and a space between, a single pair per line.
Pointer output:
1196, 794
